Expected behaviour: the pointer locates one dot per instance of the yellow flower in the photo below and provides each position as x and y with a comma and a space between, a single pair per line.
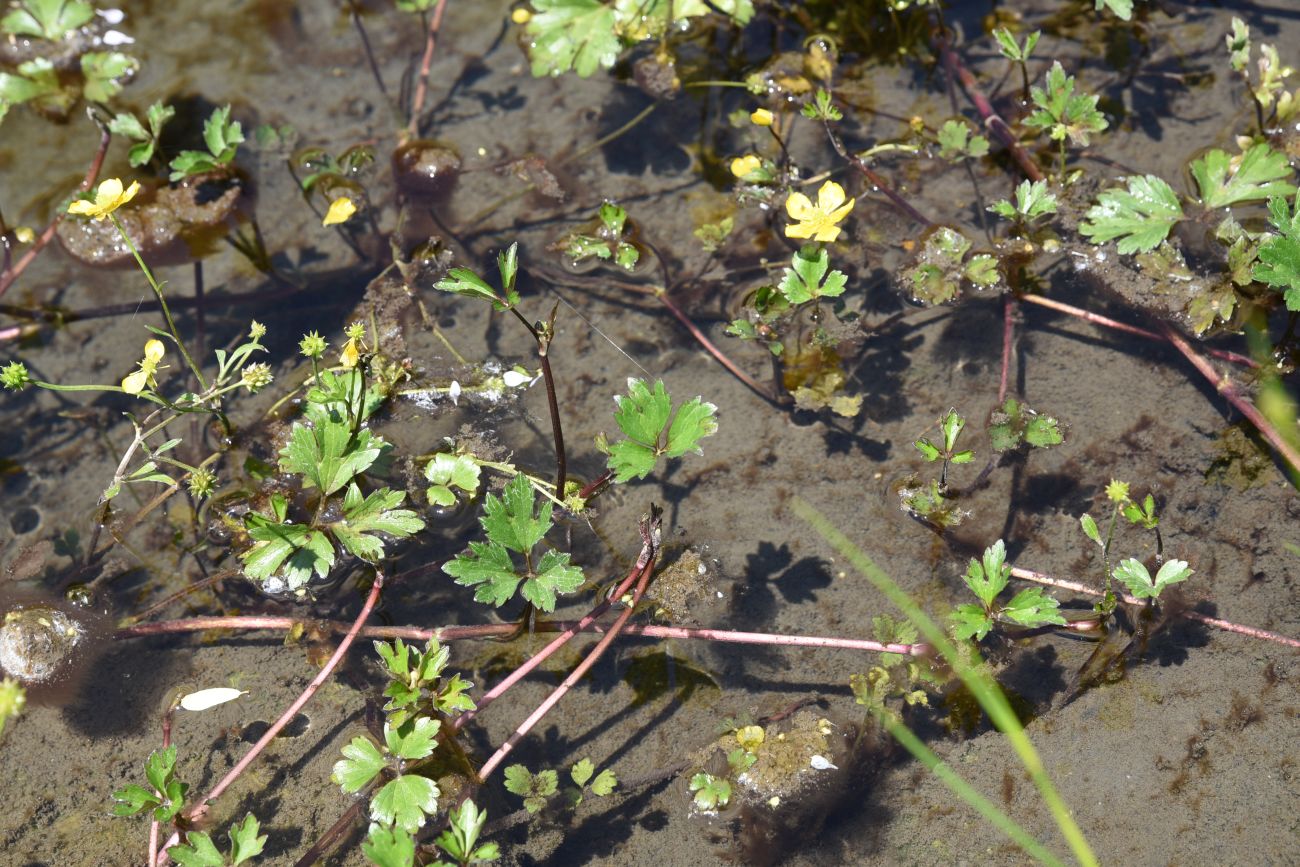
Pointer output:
761, 117
341, 210
108, 198
819, 221
521, 16
134, 383
1117, 491
742, 166
350, 355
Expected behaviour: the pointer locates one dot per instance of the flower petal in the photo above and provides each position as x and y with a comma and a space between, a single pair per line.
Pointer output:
800, 208
109, 192
154, 350
827, 233
134, 383
800, 230
830, 197
341, 210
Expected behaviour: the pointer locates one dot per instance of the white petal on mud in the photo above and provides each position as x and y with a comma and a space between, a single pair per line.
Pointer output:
208, 698
514, 378
821, 763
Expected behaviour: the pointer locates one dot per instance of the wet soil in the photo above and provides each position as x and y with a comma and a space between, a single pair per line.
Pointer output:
1188, 758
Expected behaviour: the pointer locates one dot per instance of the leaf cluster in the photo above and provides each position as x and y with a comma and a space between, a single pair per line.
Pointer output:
198, 850
46, 19
957, 141
1061, 112
417, 684
654, 429
1014, 423
1133, 574
1256, 174
165, 795
1140, 216
466, 283
407, 799
940, 266
1279, 254
607, 237
515, 524
222, 136
987, 578
144, 135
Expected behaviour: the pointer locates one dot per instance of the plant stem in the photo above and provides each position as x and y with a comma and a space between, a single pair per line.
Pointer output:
422, 87
1107, 322
1077, 587
166, 311
200, 809
568, 683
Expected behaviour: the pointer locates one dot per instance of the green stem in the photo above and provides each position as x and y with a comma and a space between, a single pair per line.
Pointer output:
162, 302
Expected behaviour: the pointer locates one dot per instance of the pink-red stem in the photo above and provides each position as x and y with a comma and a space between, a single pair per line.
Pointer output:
1076, 587
426, 62
200, 809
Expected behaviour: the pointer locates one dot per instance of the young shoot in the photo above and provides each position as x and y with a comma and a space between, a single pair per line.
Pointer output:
951, 425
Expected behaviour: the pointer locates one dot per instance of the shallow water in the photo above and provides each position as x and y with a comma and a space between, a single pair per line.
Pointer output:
1188, 759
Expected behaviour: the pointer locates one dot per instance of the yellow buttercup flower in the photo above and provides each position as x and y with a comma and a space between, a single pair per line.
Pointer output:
108, 198
135, 383
521, 16
742, 166
761, 117
819, 221
341, 210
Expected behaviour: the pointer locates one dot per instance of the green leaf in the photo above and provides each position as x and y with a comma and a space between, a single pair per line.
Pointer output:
198, 851
464, 282
604, 783
711, 793
631, 460
508, 266
102, 70
581, 772
982, 270
464, 824
511, 520
554, 575
293, 550
951, 425
160, 767
1032, 608
374, 514
245, 843
572, 34
1134, 575
803, 280
956, 142
405, 802
132, 799
1090, 529
1012, 51
928, 449
1252, 176
1123, 9
360, 764
970, 621
413, 740
1238, 42
1064, 113
1279, 255
389, 847
1014, 423
533, 788
642, 415
47, 19
1033, 200
445, 472
488, 567
1141, 216
327, 454
221, 135
694, 421
988, 578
